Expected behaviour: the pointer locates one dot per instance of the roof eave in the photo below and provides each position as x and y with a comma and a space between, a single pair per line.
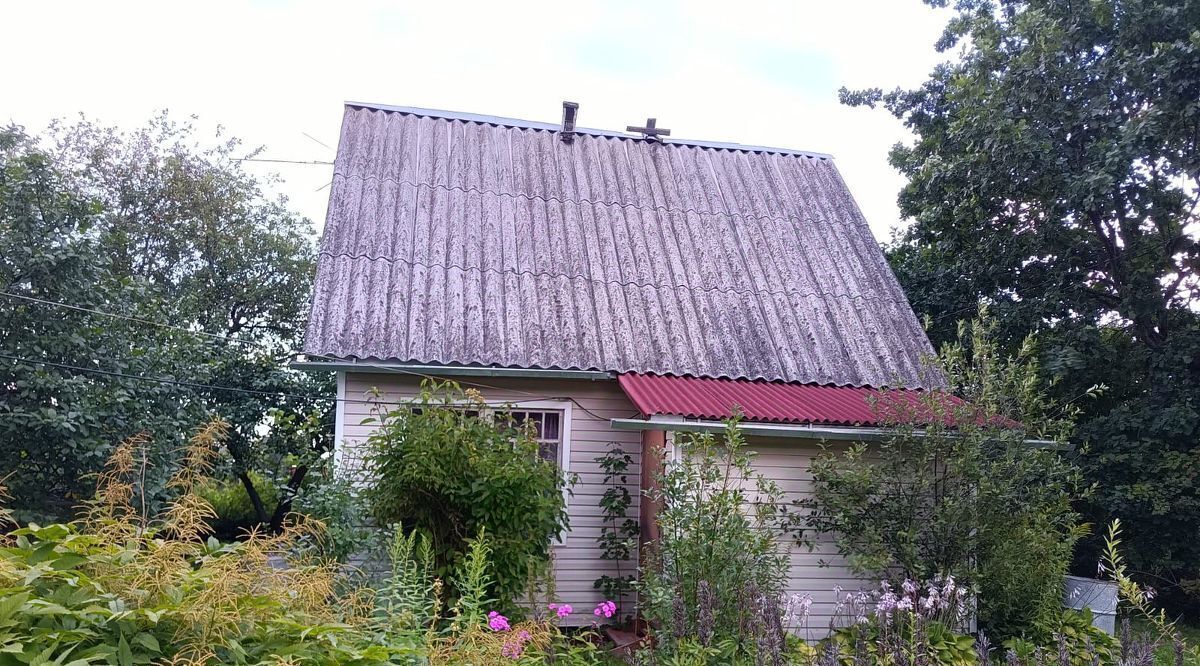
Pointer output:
787, 430
434, 370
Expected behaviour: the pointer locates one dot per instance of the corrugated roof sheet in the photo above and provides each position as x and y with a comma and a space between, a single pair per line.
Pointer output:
471, 242
772, 402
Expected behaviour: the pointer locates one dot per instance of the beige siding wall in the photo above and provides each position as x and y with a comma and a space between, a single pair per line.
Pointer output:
577, 561
577, 558
819, 571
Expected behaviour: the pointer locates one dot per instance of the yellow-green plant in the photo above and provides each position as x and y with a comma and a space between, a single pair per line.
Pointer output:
113, 587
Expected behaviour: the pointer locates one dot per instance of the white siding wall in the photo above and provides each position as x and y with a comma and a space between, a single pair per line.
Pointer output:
577, 561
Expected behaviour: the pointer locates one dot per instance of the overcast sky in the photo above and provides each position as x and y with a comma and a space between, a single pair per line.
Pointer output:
745, 71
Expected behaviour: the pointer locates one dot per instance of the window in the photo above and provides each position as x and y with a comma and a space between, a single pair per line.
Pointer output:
547, 429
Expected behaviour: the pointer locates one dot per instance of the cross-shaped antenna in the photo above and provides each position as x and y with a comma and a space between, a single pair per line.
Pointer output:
650, 131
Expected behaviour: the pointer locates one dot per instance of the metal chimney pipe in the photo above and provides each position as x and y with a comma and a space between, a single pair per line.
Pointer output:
570, 110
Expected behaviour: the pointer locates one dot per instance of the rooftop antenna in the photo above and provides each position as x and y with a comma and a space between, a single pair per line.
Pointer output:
570, 110
650, 131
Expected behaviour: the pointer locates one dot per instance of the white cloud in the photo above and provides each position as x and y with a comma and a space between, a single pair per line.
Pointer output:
755, 71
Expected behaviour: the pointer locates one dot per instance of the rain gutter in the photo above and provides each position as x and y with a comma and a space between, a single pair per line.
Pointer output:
354, 365
789, 430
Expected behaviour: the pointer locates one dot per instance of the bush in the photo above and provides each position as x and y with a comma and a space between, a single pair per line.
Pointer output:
113, 588
721, 560
349, 531
445, 469
1022, 576
1070, 636
956, 488
230, 502
911, 624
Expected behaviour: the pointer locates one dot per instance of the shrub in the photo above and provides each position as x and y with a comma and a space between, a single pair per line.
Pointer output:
442, 467
1070, 636
115, 588
911, 624
1022, 577
721, 561
349, 531
230, 502
956, 488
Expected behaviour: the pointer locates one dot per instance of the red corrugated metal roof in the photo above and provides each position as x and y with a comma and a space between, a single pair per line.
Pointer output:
759, 400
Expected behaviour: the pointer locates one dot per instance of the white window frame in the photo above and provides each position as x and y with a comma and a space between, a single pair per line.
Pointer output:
339, 422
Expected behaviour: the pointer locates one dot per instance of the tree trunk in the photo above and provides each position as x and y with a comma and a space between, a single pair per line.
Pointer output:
260, 511
285, 502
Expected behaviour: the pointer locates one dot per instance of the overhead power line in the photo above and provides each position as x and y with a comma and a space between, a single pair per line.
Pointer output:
224, 338
140, 320
273, 161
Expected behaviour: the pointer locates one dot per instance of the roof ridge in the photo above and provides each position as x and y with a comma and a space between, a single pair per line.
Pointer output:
560, 200
518, 123
617, 283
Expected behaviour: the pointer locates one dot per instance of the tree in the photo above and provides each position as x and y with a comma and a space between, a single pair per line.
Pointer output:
975, 488
175, 232
1054, 177
58, 425
181, 216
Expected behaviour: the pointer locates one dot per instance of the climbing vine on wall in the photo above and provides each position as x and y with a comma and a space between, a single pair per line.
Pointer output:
618, 535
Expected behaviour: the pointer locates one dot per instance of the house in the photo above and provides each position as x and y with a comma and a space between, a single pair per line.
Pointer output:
623, 287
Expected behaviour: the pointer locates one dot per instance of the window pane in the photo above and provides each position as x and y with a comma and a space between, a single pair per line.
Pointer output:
548, 451
550, 426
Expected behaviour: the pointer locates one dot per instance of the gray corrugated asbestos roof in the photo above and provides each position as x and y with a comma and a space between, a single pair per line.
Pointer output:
475, 240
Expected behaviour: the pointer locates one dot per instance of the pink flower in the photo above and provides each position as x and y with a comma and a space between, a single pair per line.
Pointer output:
563, 610
515, 648
605, 608
497, 622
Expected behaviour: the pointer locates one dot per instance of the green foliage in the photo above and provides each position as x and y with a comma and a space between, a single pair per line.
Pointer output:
445, 469
113, 589
57, 425
875, 643
956, 489
235, 514
473, 581
1068, 634
409, 599
618, 534
1021, 577
1054, 178
154, 226
721, 558
333, 499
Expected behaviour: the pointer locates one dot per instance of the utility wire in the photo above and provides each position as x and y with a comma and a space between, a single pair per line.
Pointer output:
199, 385
274, 161
80, 308
385, 368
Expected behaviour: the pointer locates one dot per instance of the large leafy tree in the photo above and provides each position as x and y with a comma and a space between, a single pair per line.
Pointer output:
1054, 177
177, 231
58, 424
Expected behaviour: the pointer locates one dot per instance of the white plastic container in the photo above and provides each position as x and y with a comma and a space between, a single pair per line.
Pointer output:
1098, 595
